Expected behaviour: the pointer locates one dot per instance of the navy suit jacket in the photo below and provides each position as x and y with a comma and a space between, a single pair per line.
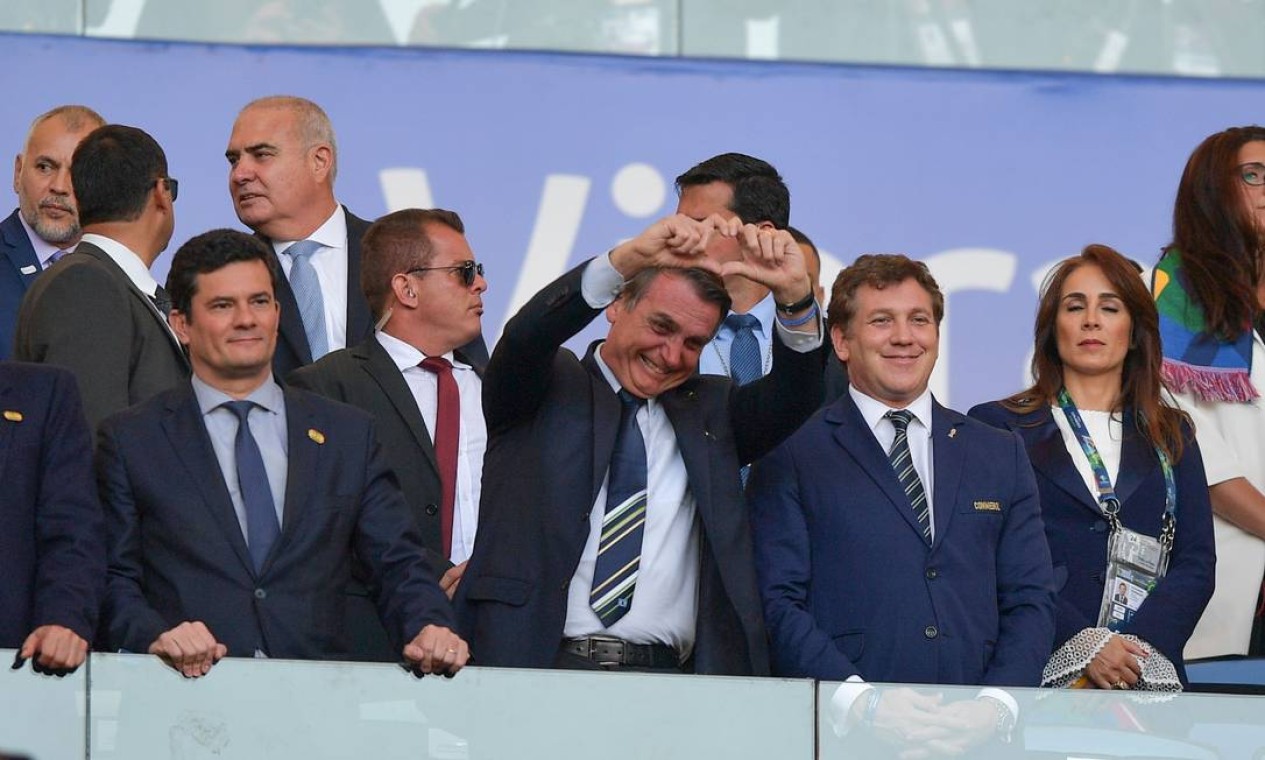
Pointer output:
850, 586
292, 348
552, 421
1078, 533
177, 552
52, 545
18, 254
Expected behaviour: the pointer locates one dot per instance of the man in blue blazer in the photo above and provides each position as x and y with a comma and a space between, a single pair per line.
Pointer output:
533, 594
235, 508
897, 540
45, 225
52, 548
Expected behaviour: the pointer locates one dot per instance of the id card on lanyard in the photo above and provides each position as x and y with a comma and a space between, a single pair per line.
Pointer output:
1136, 563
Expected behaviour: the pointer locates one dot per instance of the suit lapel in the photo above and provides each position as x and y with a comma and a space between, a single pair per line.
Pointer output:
693, 439
186, 433
948, 454
855, 437
378, 364
605, 421
6, 426
1137, 459
359, 321
1049, 456
18, 250
305, 440
146, 302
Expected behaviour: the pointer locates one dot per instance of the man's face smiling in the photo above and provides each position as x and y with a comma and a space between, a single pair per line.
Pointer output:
231, 327
654, 345
891, 342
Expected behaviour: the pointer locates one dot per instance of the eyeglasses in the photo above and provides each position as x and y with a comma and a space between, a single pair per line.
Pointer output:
1253, 173
467, 271
173, 186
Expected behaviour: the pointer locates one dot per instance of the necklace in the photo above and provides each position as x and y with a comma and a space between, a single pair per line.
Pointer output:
766, 363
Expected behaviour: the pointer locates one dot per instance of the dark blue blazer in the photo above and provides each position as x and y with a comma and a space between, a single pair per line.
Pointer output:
850, 586
1078, 534
52, 545
18, 254
552, 420
177, 552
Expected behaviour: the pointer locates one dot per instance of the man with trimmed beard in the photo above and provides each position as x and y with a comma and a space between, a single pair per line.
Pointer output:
45, 225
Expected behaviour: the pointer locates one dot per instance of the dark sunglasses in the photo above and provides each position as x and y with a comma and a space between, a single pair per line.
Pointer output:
172, 186
467, 271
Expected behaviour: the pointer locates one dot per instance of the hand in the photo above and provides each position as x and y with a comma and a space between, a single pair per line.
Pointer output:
963, 725
675, 241
1116, 663
451, 578
189, 648
902, 712
436, 649
771, 258
56, 650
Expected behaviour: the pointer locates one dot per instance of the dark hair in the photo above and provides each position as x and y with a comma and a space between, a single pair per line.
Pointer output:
1218, 239
804, 241
210, 252
878, 270
760, 195
396, 243
706, 285
1140, 386
113, 171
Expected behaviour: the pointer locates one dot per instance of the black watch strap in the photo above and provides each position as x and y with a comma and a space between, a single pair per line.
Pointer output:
798, 306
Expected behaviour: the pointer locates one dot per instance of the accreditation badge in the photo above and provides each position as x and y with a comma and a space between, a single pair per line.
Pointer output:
1136, 563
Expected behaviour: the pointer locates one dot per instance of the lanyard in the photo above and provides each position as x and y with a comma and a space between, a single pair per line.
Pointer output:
1107, 500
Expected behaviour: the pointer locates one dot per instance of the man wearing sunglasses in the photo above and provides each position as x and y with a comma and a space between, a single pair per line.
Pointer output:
425, 290
99, 312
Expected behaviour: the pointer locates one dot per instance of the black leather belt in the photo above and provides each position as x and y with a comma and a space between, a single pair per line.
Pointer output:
612, 653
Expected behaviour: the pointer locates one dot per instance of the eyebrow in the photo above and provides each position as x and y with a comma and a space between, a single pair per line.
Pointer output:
250, 149
1105, 294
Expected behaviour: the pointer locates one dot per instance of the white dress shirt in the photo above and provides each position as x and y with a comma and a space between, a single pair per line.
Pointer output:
716, 358
1107, 430
330, 264
473, 437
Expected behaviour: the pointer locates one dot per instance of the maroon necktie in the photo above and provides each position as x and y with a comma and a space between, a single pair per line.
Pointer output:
447, 437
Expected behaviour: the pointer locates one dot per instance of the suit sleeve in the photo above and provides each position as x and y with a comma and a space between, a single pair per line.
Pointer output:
1025, 584
81, 322
800, 648
131, 624
1168, 616
69, 528
388, 541
519, 372
765, 412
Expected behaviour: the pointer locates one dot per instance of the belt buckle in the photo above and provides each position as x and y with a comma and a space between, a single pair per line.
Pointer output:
615, 655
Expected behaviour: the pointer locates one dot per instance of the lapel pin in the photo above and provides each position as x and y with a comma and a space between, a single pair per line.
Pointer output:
316, 436
12, 416
953, 432
28, 269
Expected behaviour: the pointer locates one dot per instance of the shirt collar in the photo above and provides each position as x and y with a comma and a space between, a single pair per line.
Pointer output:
405, 355
609, 376
873, 410
268, 395
765, 312
44, 250
331, 234
128, 261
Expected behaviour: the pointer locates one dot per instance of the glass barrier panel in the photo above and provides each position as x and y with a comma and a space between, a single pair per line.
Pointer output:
285, 709
40, 716
926, 721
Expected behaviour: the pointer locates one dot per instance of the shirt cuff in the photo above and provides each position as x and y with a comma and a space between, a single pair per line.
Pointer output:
1001, 695
800, 342
841, 703
601, 282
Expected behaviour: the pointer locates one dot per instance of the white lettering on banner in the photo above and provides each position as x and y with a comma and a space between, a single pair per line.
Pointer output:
405, 188
961, 269
553, 235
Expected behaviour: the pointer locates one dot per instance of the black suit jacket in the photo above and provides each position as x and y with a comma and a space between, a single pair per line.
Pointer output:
84, 314
177, 551
18, 255
52, 545
551, 428
366, 377
292, 348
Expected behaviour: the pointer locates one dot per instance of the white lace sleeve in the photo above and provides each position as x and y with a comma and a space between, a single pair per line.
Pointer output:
1069, 661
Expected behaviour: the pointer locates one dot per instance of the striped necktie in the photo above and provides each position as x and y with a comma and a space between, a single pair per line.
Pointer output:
307, 293
619, 550
903, 462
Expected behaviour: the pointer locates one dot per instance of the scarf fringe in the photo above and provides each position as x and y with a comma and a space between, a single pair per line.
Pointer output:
1208, 383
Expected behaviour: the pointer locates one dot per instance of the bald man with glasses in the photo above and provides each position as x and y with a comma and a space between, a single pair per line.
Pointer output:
425, 291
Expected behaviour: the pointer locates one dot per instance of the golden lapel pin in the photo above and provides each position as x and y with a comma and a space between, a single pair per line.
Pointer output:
12, 416
316, 435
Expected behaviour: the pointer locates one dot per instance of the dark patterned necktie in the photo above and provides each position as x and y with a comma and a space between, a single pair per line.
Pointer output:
623, 524
903, 462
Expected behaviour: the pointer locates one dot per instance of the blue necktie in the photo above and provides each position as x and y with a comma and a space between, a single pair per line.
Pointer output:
307, 293
744, 351
903, 462
619, 550
262, 528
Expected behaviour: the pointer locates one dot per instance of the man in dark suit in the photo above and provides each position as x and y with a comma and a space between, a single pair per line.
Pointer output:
536, 592
99, 312
45, 225
897, 540
52, 548
423, 284
282, 163
234, 507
